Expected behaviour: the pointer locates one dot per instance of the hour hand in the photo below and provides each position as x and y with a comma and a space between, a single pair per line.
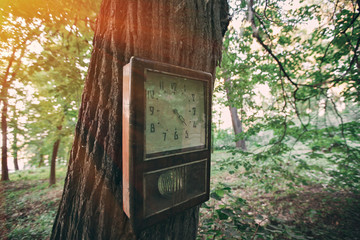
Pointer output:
179, 116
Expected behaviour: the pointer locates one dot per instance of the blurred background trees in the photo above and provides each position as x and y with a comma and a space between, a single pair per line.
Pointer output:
45, 51
289, 75
291, 68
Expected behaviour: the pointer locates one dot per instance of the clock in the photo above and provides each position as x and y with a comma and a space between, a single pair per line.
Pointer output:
175, 115
166, 140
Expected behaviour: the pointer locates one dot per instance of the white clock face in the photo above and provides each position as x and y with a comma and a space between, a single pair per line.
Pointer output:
175, 113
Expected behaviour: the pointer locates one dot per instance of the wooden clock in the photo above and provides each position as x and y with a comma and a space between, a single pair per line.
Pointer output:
166, 140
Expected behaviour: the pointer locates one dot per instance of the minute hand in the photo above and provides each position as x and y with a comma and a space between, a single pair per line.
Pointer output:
179, 116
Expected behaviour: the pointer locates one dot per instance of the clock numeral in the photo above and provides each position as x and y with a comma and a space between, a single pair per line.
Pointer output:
176, 136
194, 110
193, 97
151, 94
152, 128
184, 88
162, 85
152, 110
186, 134
164, 133
173, 86
194, 124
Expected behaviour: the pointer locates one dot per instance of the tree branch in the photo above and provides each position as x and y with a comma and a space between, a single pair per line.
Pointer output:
256, 35
5, 81
352, 62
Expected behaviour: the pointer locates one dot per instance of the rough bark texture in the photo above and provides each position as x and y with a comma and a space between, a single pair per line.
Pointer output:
187, 33
236, 122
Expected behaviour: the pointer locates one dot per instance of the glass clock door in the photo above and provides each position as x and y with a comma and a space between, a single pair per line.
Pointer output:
175, 113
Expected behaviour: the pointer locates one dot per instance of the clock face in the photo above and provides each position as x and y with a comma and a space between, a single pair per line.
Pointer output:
175, 113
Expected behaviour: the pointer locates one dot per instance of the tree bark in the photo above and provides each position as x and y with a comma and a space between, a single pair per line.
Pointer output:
236, 122
3, 98
52, 179
41, 160
55, 150
186, 33
4, 166
14, 146
15, 156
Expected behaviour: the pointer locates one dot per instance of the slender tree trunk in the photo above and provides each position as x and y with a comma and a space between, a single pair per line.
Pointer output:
15, 140
185, 33
4, 168
53, 162
16, 162
236, 122
55, 150
7, 79
41, 160
3, 98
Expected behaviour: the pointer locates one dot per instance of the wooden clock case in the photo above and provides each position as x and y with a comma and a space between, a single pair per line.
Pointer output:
141, 201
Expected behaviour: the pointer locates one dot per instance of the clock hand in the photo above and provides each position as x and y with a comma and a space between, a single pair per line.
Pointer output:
179, 116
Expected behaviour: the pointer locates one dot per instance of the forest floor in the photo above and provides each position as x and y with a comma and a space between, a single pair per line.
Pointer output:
241, 209
311, 213
28, 207
28, 204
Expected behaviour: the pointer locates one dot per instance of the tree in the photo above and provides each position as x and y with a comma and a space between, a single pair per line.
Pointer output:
52, 179
58, 76
24, 23
15, 45
187, 34
307, 54
236, 84
15, 132
235, 120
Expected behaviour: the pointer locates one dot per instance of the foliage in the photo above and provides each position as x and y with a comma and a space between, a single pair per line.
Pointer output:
240, 208
54, 40
295, 73
223, 139
58, 83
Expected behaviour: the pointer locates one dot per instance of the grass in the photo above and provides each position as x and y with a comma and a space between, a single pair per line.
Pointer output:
239, 208
28, 203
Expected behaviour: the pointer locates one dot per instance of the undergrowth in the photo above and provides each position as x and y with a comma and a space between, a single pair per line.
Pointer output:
251, 201
29, 204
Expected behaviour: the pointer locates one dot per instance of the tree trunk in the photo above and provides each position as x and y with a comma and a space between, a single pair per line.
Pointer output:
4, 166
14, 144
185, 33
56, 145
53, 158
15, 156
4, 95
7, 79
41, 160
236, 122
